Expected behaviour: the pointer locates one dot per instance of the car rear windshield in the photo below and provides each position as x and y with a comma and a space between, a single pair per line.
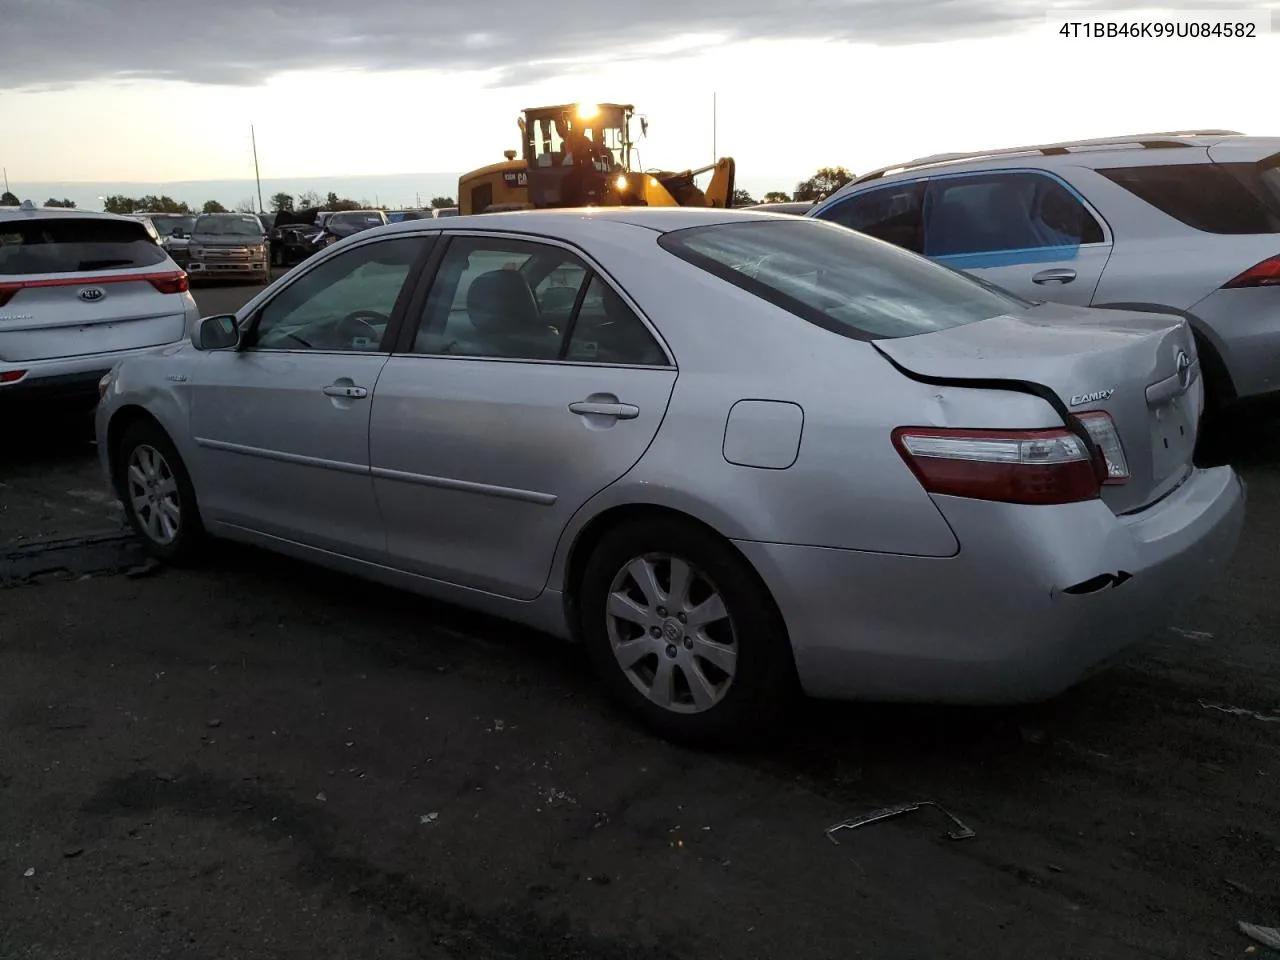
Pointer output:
73, 245
838, 279
166, 225
1222, 198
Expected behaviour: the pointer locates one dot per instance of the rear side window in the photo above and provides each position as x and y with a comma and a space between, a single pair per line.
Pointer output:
893, 214
1222, 198
73, 245
996, 212
838, 279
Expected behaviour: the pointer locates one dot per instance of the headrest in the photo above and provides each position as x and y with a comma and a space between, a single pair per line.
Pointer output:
500, 301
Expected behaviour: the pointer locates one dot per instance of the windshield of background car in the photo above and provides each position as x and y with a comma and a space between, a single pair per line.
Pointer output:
235, 226
838, 279
166, 225
71, 245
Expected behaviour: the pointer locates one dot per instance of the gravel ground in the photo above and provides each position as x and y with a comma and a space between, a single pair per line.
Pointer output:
261, 759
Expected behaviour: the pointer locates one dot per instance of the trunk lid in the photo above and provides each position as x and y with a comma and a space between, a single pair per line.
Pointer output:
49, 317
1139, 368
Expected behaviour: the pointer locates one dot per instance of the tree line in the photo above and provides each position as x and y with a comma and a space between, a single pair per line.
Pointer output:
822, 184
280, 202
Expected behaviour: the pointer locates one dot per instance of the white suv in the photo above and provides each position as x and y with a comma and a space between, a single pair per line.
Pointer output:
1180, 223
78, 291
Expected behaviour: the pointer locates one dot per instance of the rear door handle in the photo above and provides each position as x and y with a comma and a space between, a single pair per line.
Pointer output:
343, 390
1054, 276
622, 411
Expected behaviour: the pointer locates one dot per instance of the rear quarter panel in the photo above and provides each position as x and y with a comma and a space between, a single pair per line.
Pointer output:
848, 487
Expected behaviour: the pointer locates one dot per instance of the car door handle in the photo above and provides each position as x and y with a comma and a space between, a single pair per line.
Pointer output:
1054, 276
622, 411
345, 390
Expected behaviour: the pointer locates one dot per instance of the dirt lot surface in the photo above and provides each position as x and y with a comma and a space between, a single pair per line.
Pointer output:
257, 759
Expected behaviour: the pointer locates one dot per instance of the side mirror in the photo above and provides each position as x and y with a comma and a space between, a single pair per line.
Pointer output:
217, 333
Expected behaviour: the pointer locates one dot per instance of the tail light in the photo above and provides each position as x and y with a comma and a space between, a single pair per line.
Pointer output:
1102, 430
170, 282
1264, 274
11, 376
1009, 466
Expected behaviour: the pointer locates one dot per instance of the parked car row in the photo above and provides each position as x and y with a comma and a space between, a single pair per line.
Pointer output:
726, 451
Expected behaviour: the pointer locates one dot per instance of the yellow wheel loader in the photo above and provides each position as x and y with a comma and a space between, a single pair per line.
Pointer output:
580, 155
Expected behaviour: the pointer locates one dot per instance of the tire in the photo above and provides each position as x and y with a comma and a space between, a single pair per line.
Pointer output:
146, 452
745, 657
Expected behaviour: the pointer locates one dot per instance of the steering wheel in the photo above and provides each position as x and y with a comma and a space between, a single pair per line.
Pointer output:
356, 326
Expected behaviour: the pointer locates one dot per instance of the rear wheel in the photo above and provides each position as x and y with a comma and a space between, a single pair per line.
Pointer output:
155, 488
684, 634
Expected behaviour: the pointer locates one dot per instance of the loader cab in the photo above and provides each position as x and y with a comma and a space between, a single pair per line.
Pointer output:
578, 154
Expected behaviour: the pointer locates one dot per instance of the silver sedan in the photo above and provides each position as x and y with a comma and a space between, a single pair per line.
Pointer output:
737, 456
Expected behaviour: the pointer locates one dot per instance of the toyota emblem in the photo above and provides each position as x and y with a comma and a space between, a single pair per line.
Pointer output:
1184, 368
92, 294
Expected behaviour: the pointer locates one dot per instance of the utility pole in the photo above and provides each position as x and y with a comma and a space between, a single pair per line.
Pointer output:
253, 137
6, 179
715, 154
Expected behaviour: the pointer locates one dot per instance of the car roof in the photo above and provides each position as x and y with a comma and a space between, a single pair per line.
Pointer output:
575, 221
58, 213
1095, 152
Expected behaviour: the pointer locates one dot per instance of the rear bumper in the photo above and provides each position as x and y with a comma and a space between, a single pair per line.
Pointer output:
994, 624
1245, 328
71, 380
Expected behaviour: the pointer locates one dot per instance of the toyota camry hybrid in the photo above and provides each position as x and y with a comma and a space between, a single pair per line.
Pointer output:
736, 455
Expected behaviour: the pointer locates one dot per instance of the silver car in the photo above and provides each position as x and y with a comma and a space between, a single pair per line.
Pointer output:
737, 455
1184, 222
78, 291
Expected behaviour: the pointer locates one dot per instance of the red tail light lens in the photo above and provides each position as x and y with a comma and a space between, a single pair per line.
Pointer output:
1264, 274
11, 376
174, 282
170, 282
1007, 466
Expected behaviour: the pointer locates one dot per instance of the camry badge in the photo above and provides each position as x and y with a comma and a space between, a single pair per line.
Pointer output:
1094, 397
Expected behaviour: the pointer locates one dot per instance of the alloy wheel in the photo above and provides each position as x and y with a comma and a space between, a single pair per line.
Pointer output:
153, 494
671, 633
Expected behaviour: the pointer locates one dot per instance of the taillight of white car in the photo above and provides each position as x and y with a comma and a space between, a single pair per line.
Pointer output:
1050, 466
167, 282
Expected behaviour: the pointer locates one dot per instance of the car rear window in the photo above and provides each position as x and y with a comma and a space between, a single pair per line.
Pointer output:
72, 245
1222, 198
838, 279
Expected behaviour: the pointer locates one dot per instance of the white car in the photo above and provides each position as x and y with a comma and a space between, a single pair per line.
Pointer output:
80, 290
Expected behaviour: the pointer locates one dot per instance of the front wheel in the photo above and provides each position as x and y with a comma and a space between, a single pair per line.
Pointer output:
684, 634
155, 489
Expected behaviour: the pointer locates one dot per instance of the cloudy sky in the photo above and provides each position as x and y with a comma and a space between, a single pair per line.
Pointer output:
165, 90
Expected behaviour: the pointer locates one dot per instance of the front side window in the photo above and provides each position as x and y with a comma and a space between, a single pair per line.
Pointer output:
894, 214
1222, 198
519, 300
838, 279
344, 303
995, 212
75, 244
